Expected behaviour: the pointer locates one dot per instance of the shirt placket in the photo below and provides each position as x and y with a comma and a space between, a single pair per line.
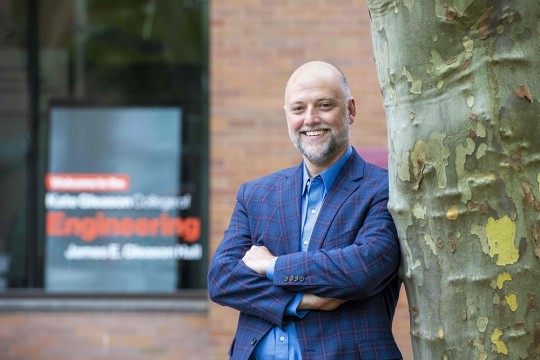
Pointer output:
315, 191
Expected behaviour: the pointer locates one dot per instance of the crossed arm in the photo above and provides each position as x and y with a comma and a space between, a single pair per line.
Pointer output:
360, 263
258, 258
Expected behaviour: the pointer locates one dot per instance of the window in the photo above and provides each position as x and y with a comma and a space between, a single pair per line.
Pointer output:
132, 73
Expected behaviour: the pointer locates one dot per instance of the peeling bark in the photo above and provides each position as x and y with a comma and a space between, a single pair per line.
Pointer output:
459, 79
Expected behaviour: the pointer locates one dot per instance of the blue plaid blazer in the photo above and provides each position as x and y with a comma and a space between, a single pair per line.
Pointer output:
353, 255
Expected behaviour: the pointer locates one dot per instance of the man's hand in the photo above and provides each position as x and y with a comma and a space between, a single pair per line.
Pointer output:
258, 258
314, 302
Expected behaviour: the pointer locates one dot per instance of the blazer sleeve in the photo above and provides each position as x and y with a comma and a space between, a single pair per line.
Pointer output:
358, 268
231, 283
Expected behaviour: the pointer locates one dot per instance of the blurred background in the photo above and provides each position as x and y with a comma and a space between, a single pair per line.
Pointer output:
126, 128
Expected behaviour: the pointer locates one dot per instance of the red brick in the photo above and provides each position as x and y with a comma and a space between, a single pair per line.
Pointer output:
253, 49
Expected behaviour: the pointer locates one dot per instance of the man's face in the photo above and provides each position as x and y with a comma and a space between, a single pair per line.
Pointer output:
318, 116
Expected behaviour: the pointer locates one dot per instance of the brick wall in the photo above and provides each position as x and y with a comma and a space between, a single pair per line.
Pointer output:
254, 47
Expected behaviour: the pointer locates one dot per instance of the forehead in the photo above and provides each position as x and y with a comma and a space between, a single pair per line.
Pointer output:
312, 83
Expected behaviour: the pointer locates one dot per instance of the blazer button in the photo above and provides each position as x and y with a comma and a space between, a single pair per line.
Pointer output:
253, 341
301, 278
285, 278
295, 279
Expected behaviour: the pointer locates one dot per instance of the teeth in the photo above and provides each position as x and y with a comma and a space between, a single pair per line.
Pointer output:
314, 133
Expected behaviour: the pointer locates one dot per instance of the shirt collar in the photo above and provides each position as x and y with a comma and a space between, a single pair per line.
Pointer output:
329, 175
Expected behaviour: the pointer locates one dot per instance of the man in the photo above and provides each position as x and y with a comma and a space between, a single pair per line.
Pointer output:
311, 254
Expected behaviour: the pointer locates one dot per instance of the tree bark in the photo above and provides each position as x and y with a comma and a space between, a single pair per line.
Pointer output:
461, 86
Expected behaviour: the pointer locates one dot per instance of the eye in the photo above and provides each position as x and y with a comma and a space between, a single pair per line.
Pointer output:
296, 108
325, 105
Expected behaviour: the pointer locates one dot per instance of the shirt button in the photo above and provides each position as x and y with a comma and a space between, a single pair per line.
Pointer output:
253, 341
282, 338
313, 211
306, 242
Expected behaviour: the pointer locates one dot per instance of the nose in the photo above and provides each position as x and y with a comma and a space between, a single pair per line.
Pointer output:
312, 115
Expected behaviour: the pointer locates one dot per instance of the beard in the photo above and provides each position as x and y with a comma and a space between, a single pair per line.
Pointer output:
320, 154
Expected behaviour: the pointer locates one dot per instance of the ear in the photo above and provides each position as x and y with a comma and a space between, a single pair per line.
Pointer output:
351, 106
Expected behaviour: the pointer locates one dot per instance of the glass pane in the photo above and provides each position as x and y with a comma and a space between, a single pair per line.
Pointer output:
146, 54
14, 146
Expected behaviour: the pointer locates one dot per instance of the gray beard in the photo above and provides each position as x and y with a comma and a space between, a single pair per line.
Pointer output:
320, 157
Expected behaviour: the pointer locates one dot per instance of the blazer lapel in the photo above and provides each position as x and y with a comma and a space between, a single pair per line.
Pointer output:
290, 199
346, 183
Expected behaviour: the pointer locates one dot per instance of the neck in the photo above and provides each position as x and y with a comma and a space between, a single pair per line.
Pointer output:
314, 170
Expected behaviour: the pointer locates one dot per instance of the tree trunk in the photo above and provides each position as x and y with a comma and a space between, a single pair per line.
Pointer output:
461, 85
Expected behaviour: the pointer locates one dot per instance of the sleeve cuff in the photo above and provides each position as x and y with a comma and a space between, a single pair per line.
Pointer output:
270, 270
291, 309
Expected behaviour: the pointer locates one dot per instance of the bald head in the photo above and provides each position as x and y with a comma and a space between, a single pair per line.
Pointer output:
318, 69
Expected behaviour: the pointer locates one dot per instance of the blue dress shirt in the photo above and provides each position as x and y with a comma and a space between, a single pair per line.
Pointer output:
282, 344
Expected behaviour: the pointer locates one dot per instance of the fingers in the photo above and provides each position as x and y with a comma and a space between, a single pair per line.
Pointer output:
257, 258
314, 302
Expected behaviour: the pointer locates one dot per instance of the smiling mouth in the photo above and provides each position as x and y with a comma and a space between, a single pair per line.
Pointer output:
315, 132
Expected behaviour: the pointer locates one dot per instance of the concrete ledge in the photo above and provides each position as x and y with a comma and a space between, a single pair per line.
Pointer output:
102, 304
